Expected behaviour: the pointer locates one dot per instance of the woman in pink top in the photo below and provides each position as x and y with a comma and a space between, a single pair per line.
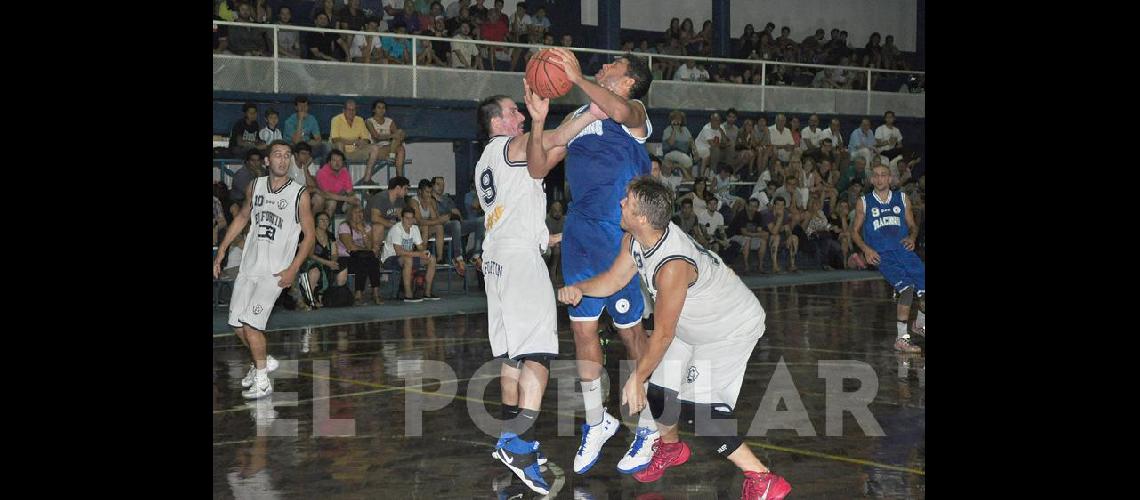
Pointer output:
353, 242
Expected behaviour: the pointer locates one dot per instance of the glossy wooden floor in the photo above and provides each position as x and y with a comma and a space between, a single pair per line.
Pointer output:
278, 448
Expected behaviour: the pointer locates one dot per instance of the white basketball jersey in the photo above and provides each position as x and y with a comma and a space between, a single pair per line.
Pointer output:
274, 228
513, 201
718, 305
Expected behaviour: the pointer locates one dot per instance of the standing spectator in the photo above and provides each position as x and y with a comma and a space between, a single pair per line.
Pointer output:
863, 142
747, 230
302, 127
892, 56
710, 145
350, 135
335, 183
540, 24
354, 252
781, 139
746, 45
322, 45
785, 42
674, 29
246, 41
677, 145
250, 170
386, 136
270, 133
778, 222
811, 47
288, 41
244, 133
873, 51
428, 219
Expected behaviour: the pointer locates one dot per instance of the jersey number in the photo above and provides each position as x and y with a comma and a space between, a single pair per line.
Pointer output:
487, 183
258, 200
267, 232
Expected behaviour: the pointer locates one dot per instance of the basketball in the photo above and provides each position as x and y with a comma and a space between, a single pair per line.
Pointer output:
545, 76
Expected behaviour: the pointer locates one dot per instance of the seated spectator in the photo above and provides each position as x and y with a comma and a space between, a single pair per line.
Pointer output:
779, 223
747, 230
747, 143
540, 24
862, 142
691, 72
797, 137
828, 183
677, 144
810, 136
335, 184
397, 50
465, 55
892, 56
841, 226
328, 8
250, 170
713, 223
850, 173
270, 132
244, 135
473, 212
670, 179
554, 225
823, 236
441, 49
811, 47
388, 137
700, 191
383, 208
785, 42
519, 32
764, 192
322, 45
888, 138
288, 41
825, 151
453, 7
452, 23
428, 219
456, 227
351, 16
687, 221
730, 152
710, 145
495, 29
321, 264
303, 170
791, 192
350, 135
221, 33
246, 41
853, 193
405, 251
427, 19
354, 252
302, 127
838, 143
547, 40
479, 11
670, 65
781, 140
722, 188
220, 223
367, 49
409, 18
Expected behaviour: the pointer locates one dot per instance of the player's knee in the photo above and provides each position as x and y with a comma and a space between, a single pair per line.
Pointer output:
664, 405
716, 428
906, 296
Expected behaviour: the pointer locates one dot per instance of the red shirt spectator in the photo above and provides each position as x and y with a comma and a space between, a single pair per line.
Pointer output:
495, 28
338, 182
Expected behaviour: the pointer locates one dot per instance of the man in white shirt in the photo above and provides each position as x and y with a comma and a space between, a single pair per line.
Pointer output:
303, 171
690, 72
810, 136
405, 250
888, 138
781, 137
837, 141
710, 142
713, 222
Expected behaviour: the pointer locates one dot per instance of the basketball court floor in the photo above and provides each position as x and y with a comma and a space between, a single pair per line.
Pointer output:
345, 398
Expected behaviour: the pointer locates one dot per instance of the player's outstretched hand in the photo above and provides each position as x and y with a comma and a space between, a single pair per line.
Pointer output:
536, 105
570, 295
569, 64
872, 257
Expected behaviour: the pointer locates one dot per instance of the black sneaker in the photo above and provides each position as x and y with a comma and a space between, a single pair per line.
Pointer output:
430, 297
410, 300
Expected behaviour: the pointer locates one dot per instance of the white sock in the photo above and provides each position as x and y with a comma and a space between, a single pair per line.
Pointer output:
262, 372
592, 397
646, 419
902, 330
921, 321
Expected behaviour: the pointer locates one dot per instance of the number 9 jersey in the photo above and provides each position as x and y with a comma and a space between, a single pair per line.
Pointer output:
513, 202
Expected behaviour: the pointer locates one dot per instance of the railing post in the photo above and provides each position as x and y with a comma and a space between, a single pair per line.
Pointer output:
868, 91
276, 68
763, 85
415, 70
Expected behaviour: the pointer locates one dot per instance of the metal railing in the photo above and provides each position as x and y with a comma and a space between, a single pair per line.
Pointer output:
764, 64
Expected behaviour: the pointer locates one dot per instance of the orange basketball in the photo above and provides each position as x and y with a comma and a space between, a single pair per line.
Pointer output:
545, 76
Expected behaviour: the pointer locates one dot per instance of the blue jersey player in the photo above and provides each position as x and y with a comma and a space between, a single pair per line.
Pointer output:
886, 234
600, 162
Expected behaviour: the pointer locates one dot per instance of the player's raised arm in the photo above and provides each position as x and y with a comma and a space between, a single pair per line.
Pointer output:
622, 110
605, 284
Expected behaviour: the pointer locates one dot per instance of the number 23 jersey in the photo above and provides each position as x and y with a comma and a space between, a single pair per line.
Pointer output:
513, 201
275, 228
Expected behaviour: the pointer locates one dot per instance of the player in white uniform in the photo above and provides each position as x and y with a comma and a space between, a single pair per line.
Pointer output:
706, 323
520, 298
271, 259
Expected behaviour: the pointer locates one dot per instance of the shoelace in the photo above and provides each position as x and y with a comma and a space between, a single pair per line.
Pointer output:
659, 459
585, 433
638, 442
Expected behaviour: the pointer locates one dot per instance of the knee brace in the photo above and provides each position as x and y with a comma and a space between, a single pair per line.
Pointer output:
715, 428
906, 296
664, 405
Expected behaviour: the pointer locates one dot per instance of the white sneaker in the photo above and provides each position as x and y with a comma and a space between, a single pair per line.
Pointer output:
640, 451
270, 365
262, 386
593, 438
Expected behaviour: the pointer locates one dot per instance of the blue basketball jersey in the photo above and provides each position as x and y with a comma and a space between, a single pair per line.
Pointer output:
601, 161
884, 224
